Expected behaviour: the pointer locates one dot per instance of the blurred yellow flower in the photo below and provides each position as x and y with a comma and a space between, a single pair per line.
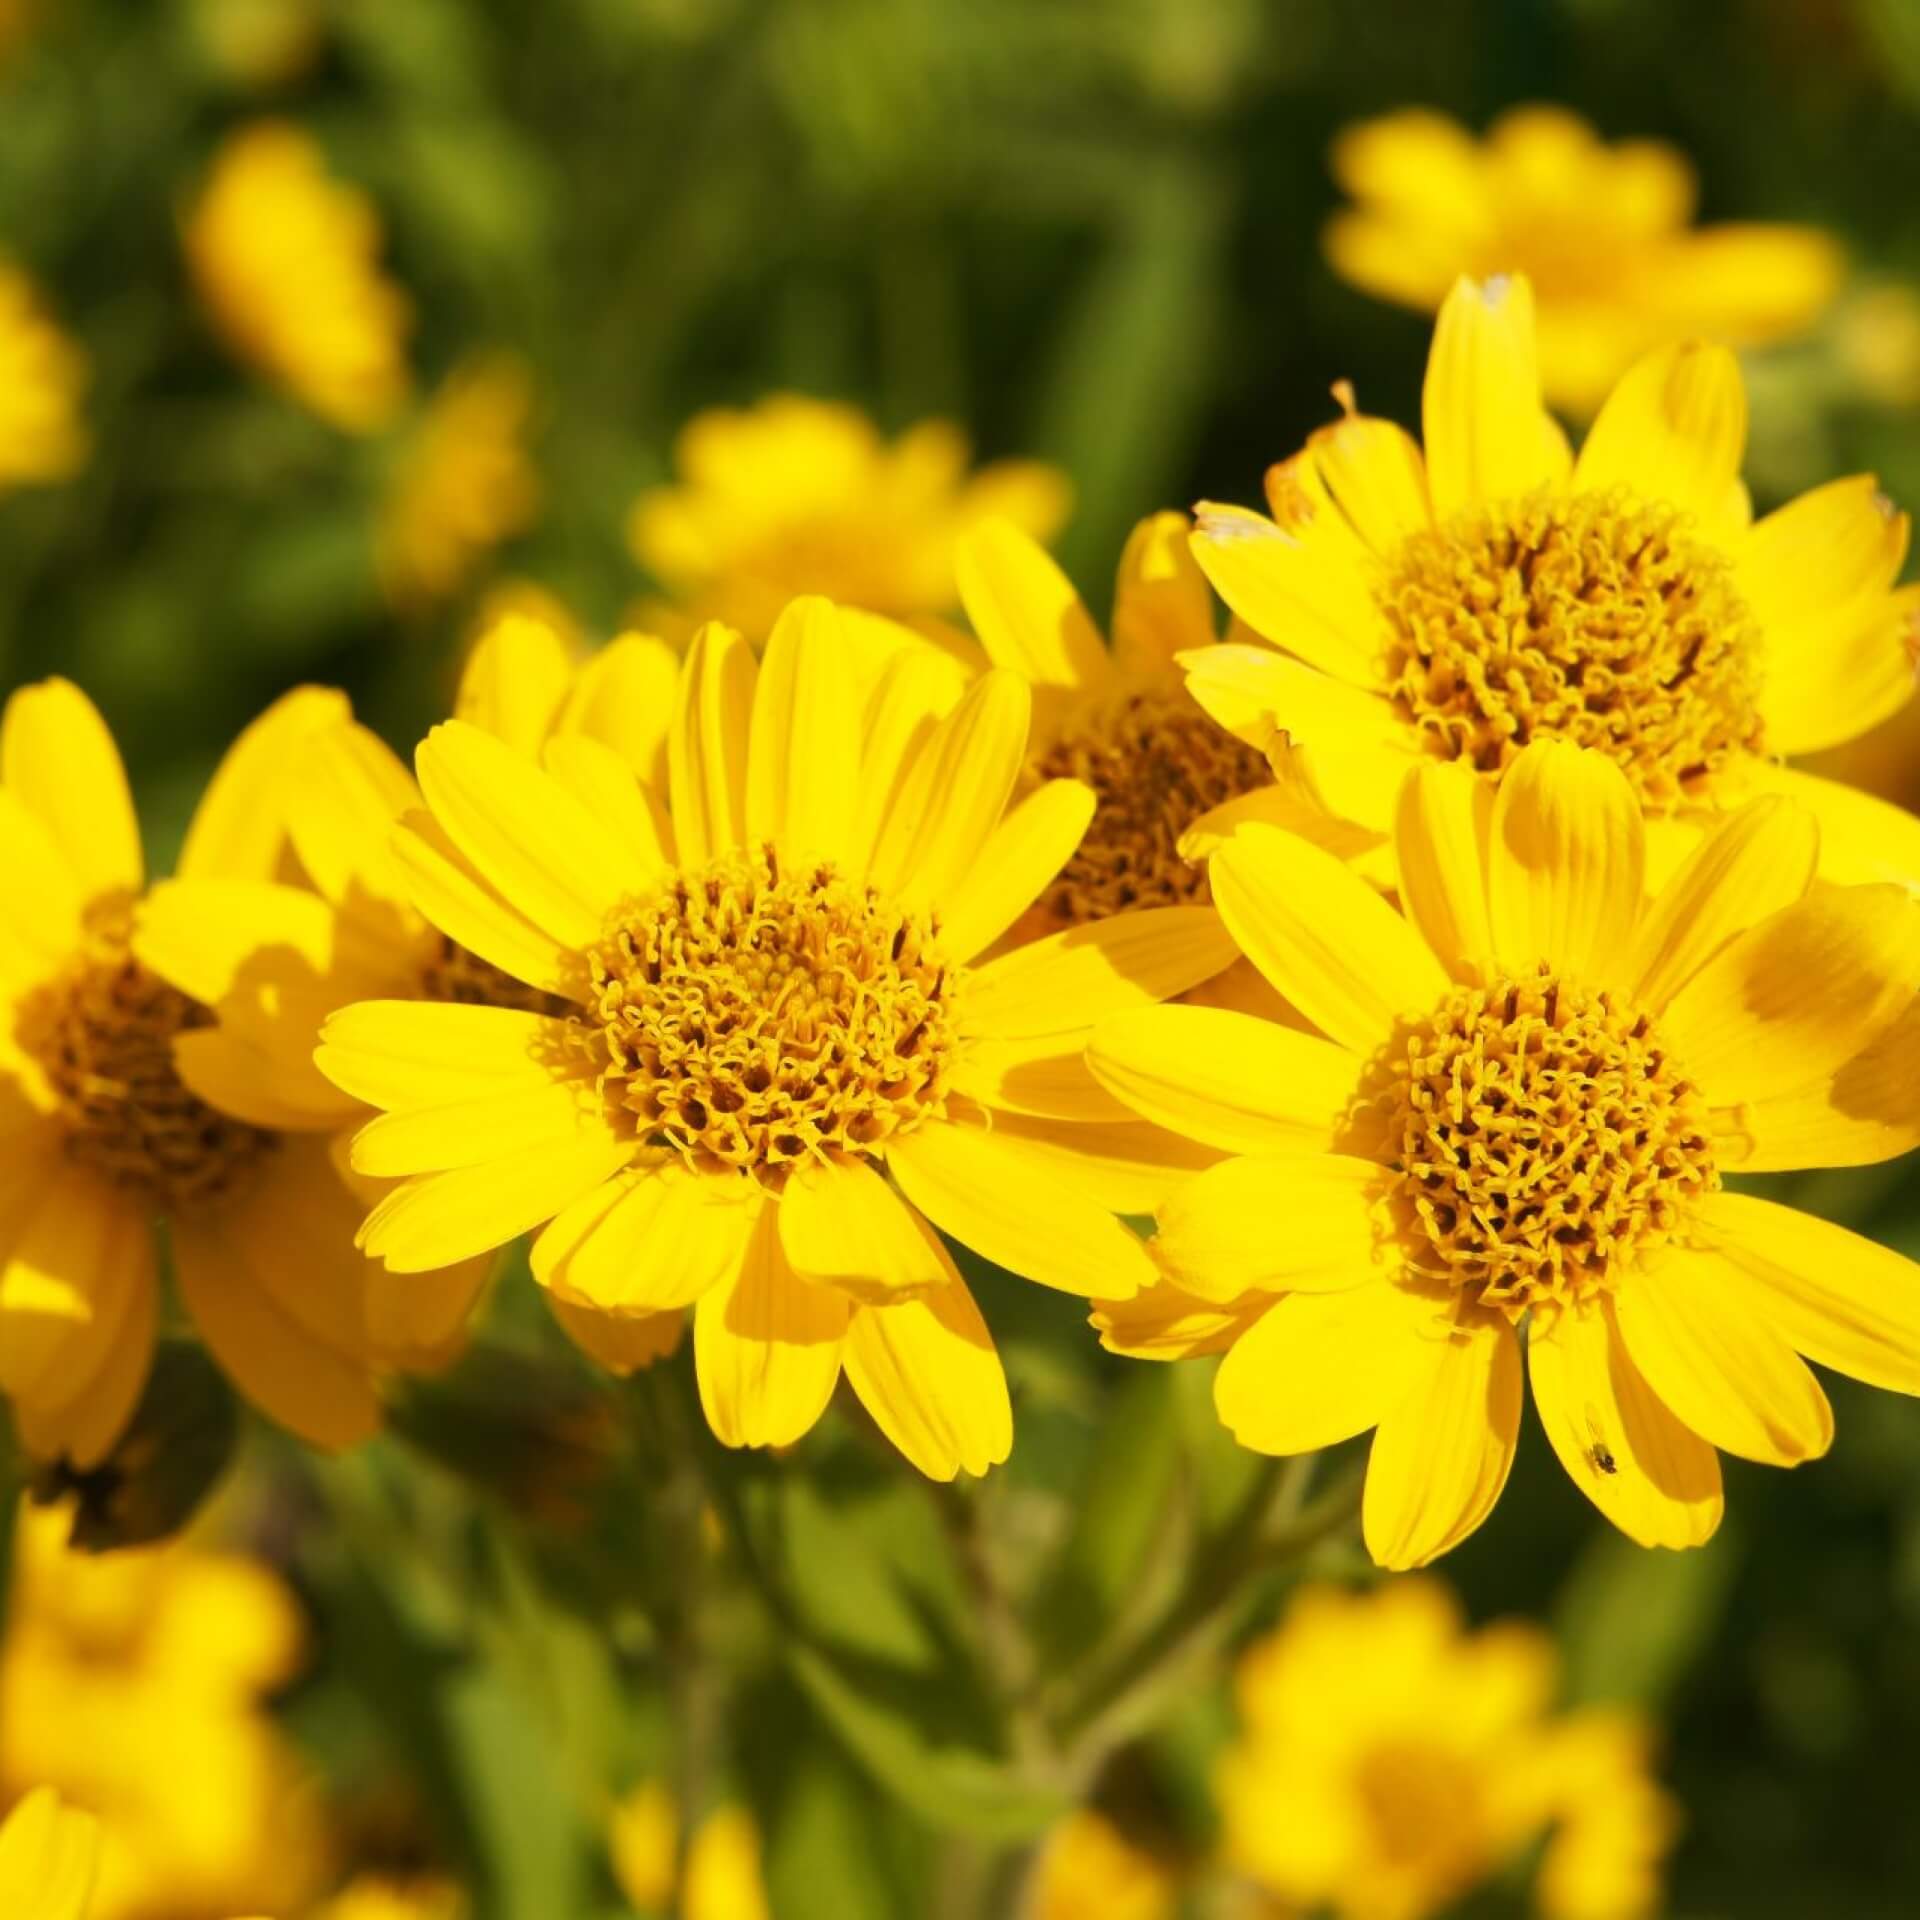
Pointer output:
134, 1683
110, 1114
49, 1854
1602, 231
1391, 1761
771, 1007
722, 1877
1531, 1084
1088, 1870
1495, 591
798, 496
286, 260
643, 1841
463, 484
42, 375
378, 1896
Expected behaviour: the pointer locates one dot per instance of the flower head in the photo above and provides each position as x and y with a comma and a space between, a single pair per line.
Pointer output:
42, 375
1529, 1086
464, 483
1390, 1761
117, 1116
286, 260
1495, 591
777, 1058
1602, 231
797, 496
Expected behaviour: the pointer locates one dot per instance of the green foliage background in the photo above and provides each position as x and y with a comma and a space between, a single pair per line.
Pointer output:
1088, 229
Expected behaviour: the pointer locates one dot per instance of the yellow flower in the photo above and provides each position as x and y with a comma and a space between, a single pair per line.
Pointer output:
723, 1878
1390, 1761
382, 1897
643, 1840
1529, 1087
463, 484
42, 374
135, 1684
286, 260
48, 1857
1089, 1871
110, 1116
1603, 232
1497, 591
1614, 1822
796, 496
771, 1007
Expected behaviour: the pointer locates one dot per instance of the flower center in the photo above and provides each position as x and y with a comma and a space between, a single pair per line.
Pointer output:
1156, 763
103, 1035
1592, 618
752, 1019
464, 978
1542, 1137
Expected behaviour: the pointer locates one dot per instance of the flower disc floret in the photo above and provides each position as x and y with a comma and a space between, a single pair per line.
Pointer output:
1542, 1137
102, 1033
1592, 618
753, 1018
1156, 763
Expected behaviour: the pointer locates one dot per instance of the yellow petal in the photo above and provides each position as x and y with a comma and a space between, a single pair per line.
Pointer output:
346, 789
1841, 1299
526, 834
1316, 1368
1325, 939
927, 1372
1023, 853
1720, 1368
41, 904
623, 1343
1797, 995
443, 884
511, 1118
1025, 610
1245, 1085
916, 690
1375, 472
803, 756
1663, 1489
1441, 833
1481, 405
1272, 1224
239, 829
1161, 603
1165, 1322
1862, 837
1564, 865
84, 1424
650, 1240
410, 1055
959, 788
48, 1855
1832, 678
58, 759
1255, 692
514, 681
1674, 429
707, 746
982, 1190
1818, 552
609, 789
311, 1389
767, 1347
1116, 1166
1042, 1076
623, 696
281, 1090
1442, 1451
842, 1225
1068, 981
1755, 862
440, 1218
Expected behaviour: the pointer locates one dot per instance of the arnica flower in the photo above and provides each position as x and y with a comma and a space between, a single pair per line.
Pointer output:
1121, 721
796, 496
110, 1128
1516, 1122
463, 483
271, 958
1088, 1870
42, 375
136, 1684
286, 260
1604, 233
49, 1854
1498, 591
771, 1007
1390, 1761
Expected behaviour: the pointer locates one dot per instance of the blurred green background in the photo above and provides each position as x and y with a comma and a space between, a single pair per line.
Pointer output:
1088, 229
